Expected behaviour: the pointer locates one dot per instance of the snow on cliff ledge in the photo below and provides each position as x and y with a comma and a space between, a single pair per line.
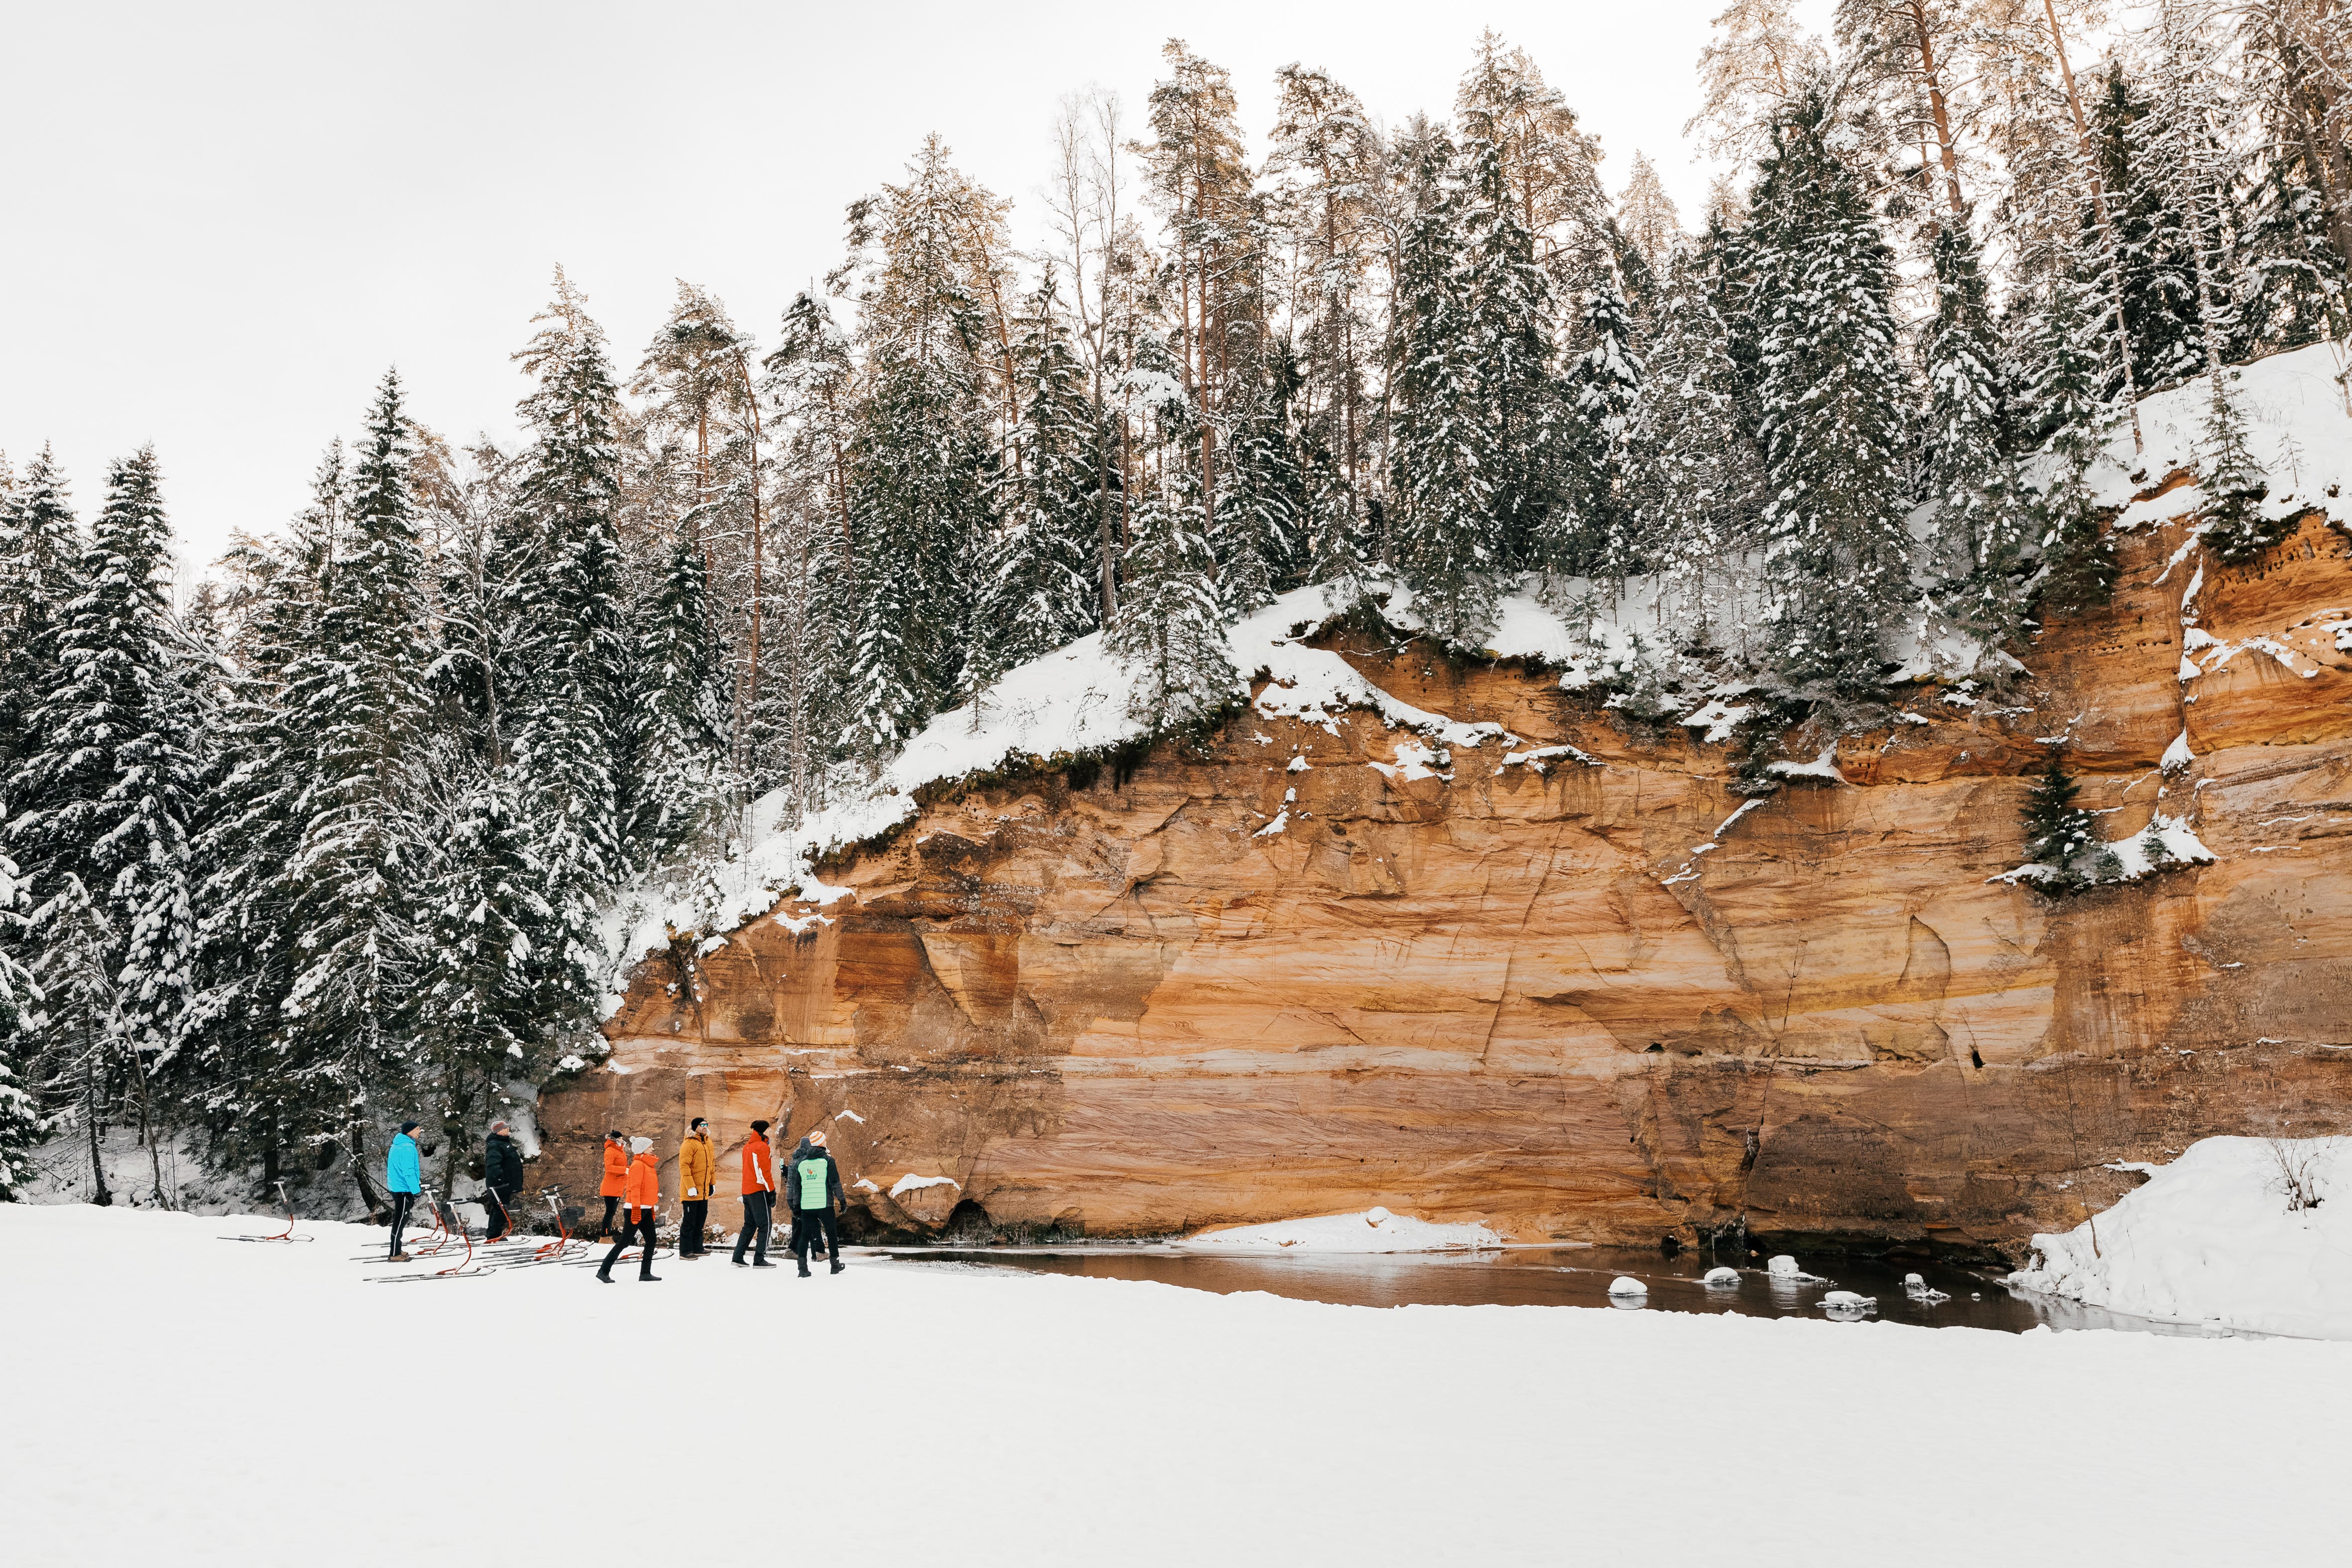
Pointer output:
2212, 1237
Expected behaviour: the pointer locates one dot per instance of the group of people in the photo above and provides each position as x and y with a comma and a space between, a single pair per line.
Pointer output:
404, 1179
811, 1187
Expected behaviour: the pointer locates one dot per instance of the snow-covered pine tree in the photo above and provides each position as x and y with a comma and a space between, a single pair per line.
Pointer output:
2181, 145
22, 1020
240, 1039
1606, 389
1835, 405
2155, 270
571, 683
1170, 634
810, 388
2067, 358
1702, 476
1037, 588
40, 559
1328, 170
678, 722
1549, 164
2060, 835
2299, 228
1445, 540
1980, 520
359, 698
1518, 395
922, 463
112, 781
489, 1005
1261, 498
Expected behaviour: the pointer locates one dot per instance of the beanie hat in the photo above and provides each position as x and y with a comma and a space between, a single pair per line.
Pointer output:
696, 1125
615, 1135
639, 1145
760, 1127
408, 1127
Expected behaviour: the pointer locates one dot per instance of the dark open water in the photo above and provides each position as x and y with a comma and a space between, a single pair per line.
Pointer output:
1563, 1277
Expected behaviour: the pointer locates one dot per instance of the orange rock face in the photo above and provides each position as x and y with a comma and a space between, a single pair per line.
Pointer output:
1314, 968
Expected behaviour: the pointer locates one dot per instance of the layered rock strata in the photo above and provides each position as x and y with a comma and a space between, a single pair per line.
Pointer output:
1572, 984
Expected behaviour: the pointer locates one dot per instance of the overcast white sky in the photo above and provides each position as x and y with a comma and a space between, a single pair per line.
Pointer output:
224, 221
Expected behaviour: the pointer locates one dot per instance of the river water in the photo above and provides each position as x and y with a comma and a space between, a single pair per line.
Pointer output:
1562, 1276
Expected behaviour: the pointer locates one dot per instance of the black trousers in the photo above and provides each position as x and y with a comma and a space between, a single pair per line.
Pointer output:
638, 1229
607, 1229
689, 1227
402, 1202
757, 1209
806, 1224
497, 1208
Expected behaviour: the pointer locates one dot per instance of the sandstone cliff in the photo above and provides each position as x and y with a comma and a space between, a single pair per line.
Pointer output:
1317, 963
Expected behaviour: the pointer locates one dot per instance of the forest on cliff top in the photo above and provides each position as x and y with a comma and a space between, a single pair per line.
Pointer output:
326, 842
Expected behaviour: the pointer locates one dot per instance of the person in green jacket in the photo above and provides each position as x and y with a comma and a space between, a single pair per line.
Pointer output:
813, 1182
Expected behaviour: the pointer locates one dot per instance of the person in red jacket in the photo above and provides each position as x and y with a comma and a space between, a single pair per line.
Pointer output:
644, 1196
616, 1178
759, 1197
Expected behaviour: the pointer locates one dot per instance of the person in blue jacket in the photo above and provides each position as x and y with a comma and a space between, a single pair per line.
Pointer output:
404, 1176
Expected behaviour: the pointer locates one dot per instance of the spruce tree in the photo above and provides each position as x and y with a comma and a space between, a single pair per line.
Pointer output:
1261, 502
677, 713
22, 1020
112, 780
1510, 304
40, 559
574, 684
1833, 402
1980, 522
358, 696
1037, 588
1701, 473
2066, 361
1445, 540
1606, 387
2062, 836
1169, 634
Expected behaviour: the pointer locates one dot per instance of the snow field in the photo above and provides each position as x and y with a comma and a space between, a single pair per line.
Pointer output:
194, 1401
2211, 1238
1372, 1230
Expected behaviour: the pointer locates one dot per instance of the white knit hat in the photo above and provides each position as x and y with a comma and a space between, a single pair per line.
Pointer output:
639, 1145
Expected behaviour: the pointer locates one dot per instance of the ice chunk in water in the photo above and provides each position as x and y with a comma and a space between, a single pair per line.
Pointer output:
1626, 1285
1716, 1278
1784, 1266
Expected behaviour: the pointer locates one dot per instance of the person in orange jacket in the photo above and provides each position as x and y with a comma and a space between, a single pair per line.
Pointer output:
616, 1178
643, 1195
759, 1197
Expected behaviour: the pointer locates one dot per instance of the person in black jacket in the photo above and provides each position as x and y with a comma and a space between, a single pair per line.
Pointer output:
813, 1183
502, 1174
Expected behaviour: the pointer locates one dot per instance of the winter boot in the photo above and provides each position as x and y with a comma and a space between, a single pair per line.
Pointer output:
397, 1258
763, 1264
837, 1263
804, 1270
648, 1279
602, 1277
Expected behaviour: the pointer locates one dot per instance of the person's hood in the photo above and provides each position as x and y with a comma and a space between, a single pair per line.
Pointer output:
701, 1132
501, 1137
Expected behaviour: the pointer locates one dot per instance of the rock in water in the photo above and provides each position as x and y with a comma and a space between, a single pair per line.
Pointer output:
1721, 1279
1626, 1285
1784, 1266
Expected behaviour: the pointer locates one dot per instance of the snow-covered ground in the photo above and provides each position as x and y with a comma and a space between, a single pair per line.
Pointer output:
177, 1399
2254, 1233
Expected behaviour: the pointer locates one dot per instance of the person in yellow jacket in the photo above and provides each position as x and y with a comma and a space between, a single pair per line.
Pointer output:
698, 1168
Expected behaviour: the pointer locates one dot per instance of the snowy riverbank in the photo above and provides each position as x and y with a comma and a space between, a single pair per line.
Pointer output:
2254, 1233
196, 1401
